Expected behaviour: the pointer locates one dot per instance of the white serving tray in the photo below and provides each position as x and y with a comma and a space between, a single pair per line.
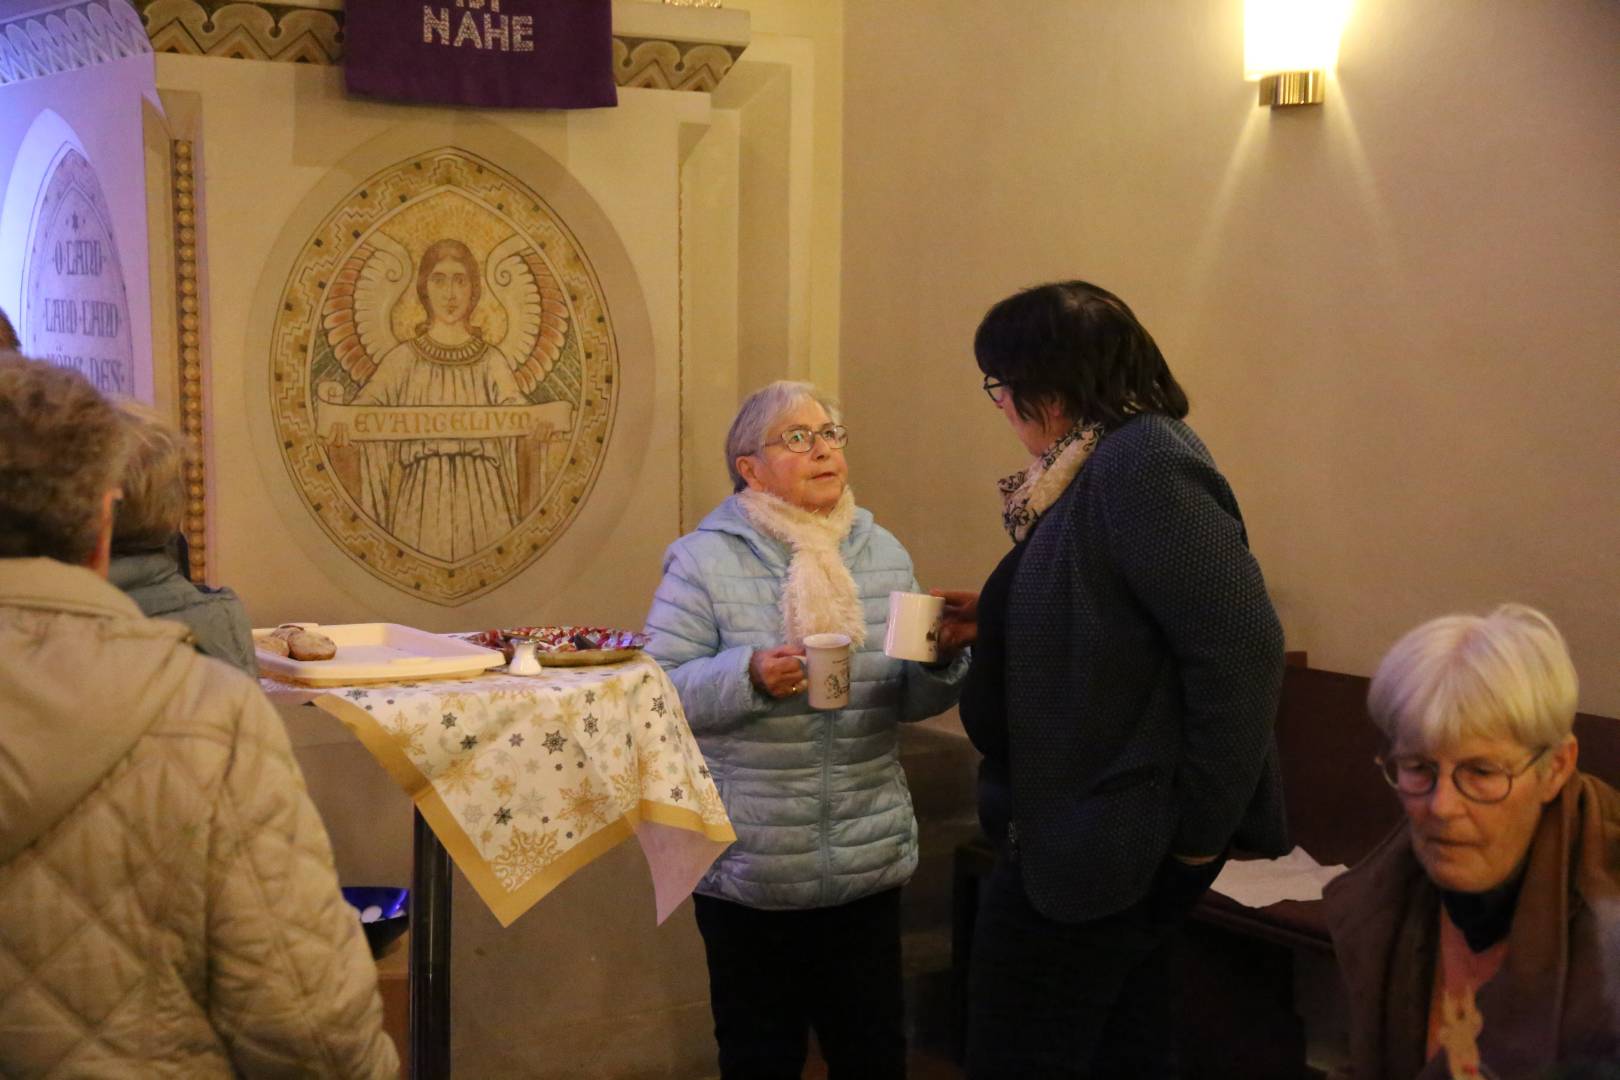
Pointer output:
379, 652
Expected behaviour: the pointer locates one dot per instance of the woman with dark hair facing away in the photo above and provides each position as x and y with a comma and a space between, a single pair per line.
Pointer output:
1126, 668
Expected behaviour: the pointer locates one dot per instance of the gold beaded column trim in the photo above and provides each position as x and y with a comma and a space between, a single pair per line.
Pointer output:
680, 350
184, 195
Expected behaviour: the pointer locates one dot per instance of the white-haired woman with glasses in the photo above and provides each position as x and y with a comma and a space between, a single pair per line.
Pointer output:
801, 916
1476, 941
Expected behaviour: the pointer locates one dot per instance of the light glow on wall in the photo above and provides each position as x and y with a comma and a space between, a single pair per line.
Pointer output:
1291, 35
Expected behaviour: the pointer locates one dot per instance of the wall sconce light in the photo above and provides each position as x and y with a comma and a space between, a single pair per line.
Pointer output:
1290, 46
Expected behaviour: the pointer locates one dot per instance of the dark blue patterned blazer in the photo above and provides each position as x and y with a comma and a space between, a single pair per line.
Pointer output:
1144, 663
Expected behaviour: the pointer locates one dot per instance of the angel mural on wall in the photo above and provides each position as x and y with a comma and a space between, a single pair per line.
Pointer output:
444, 372
443, 438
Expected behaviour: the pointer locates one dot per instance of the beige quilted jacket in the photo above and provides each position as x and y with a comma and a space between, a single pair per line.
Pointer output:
168, 906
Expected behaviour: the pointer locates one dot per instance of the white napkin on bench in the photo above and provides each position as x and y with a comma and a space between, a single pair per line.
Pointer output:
1260, 883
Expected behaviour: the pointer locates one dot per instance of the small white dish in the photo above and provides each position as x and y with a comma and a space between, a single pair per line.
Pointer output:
523, 661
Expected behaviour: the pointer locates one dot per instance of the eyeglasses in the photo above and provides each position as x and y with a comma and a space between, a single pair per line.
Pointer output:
1476, 781
995, 389
801, 440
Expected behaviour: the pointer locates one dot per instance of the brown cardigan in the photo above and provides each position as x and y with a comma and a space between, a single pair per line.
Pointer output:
1557, 997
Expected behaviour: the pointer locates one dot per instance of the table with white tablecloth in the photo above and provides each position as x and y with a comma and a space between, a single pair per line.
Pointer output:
522, 781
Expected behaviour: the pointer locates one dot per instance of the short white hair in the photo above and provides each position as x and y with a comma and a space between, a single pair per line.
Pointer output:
1506, 675
763, 408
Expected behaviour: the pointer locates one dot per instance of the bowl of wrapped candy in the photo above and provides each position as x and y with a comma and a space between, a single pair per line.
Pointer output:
566, 646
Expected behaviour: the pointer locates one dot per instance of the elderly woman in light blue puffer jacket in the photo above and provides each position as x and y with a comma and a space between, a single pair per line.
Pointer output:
801, 916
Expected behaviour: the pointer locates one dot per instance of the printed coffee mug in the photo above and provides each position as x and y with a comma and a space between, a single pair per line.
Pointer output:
913, 632
826, 669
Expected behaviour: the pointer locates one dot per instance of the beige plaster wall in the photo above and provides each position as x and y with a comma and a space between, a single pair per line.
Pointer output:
762, 208
1395, 314
809, 35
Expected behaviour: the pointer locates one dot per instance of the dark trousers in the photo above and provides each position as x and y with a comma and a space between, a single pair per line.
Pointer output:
775, 975
1090, 999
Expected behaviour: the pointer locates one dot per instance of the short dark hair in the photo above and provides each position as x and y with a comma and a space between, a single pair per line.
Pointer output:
1080, 345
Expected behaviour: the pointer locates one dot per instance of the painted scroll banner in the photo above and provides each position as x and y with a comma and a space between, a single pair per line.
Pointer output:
527, 54
338, 424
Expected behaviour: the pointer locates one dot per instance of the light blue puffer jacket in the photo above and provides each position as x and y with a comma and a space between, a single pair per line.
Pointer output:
818, 799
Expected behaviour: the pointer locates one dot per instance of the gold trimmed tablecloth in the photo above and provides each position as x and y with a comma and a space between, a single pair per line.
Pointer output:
526, 779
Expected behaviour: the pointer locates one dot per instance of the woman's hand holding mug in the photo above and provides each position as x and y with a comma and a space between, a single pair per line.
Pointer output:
959, 627
778, 672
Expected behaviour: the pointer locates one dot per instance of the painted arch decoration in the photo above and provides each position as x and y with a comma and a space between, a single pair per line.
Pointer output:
443, 375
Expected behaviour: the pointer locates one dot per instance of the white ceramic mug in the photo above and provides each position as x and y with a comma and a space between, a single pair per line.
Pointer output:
826, 669
913, 632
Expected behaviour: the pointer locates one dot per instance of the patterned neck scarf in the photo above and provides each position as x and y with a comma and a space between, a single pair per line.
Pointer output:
1026, 495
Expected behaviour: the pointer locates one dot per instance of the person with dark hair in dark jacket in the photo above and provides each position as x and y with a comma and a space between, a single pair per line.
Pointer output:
1126, 670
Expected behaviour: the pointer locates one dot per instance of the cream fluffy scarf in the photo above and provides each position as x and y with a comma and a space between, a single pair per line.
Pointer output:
819, 595
1027, 495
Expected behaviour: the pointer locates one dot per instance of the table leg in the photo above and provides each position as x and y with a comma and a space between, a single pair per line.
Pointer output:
430, 956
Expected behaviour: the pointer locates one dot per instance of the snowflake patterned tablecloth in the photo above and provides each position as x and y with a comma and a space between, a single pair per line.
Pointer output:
526, 779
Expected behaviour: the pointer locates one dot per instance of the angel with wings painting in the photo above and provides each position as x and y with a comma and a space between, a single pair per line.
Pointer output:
453, 496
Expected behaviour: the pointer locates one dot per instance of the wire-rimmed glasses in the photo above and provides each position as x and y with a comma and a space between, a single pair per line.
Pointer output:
801, 440
1477, 780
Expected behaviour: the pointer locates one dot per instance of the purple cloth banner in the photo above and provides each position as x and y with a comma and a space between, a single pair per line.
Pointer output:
526, 54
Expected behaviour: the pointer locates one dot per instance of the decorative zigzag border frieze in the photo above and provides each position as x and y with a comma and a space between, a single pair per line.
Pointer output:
671, 65
242, 30
76, 35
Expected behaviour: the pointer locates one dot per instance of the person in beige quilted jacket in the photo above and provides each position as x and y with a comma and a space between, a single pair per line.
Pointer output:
168, 906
